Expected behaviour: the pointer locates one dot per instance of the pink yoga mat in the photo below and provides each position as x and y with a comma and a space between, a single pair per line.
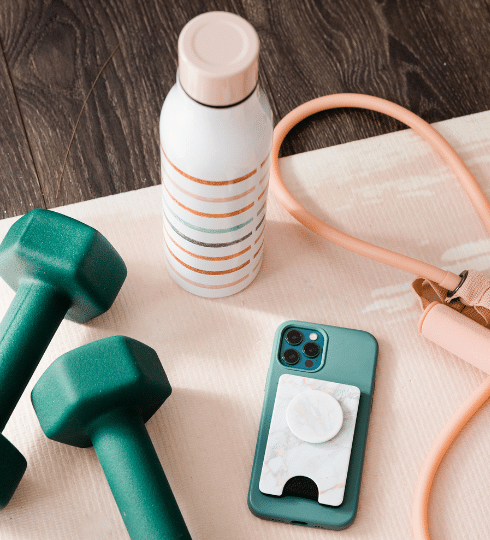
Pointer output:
391, 190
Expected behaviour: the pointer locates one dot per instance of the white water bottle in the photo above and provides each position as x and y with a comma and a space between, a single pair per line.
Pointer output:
216, 136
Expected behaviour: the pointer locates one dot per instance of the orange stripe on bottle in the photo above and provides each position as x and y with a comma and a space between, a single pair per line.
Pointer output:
258, 237
262, 194
202, 214
209, 182
207, 199
206, 272
257, 252
226, 285
263, 163
264, 177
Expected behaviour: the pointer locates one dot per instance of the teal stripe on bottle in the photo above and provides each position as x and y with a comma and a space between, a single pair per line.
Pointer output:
212, 231
205, 244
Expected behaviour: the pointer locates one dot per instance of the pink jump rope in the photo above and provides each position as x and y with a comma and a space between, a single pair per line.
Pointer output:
465, 334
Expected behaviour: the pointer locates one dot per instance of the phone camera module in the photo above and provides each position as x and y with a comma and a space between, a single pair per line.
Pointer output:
291, 357
311, 350
294, 337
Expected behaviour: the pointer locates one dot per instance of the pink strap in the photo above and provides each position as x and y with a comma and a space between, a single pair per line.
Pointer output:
443, 148
433, 459
471, 299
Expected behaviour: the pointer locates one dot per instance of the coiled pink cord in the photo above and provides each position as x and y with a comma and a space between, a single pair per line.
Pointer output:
446, 279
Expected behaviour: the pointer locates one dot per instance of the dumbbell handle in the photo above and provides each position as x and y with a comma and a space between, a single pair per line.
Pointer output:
136, 478
25, 332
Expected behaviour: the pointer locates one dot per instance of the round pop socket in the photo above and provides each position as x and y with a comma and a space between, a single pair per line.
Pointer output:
314, 416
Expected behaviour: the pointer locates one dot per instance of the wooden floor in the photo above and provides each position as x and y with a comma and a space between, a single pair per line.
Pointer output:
431, 56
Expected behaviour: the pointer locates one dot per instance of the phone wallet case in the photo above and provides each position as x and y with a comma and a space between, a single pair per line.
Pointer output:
348, 368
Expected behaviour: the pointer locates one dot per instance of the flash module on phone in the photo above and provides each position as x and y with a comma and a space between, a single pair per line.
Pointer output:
312, 435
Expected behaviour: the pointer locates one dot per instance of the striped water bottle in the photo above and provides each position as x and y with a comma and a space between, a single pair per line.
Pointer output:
215, 134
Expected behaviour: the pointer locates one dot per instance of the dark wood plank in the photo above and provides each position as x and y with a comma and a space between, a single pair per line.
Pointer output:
55, 51
428, 56
19, 187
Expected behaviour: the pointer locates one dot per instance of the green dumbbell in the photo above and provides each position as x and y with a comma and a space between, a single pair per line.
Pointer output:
60, 268
102, 394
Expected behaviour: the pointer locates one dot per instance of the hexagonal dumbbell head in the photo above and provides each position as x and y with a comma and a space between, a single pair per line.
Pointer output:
88, 382
102, 394
73, 257
59, 268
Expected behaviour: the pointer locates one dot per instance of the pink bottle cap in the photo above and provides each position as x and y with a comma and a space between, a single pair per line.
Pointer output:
218, 58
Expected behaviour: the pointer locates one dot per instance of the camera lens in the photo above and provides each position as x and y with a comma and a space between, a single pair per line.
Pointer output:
291, 356
311, 350
294, 337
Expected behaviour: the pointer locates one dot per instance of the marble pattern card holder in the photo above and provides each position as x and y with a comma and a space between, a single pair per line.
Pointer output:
310, 435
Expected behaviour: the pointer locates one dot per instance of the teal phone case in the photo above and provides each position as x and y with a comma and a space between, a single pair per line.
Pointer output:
349, 357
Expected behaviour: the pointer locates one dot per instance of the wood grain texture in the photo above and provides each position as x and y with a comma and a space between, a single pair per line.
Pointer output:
55, 52
19, 187
428, 56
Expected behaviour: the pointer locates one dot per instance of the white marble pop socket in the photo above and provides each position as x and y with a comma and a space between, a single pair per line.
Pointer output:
314, 416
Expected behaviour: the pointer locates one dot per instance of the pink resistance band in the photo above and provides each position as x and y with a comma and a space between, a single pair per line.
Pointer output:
445, 279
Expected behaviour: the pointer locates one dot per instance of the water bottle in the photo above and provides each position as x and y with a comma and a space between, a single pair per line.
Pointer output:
215, 141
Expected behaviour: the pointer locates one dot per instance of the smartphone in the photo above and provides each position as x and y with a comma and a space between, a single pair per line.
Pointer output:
312, 436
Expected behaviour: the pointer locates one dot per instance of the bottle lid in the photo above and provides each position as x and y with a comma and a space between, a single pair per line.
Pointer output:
218, 58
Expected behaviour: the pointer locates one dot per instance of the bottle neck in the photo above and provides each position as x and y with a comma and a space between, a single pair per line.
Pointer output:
218, 107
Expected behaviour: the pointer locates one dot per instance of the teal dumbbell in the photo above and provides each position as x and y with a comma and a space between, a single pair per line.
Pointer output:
59, 268
102, 394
